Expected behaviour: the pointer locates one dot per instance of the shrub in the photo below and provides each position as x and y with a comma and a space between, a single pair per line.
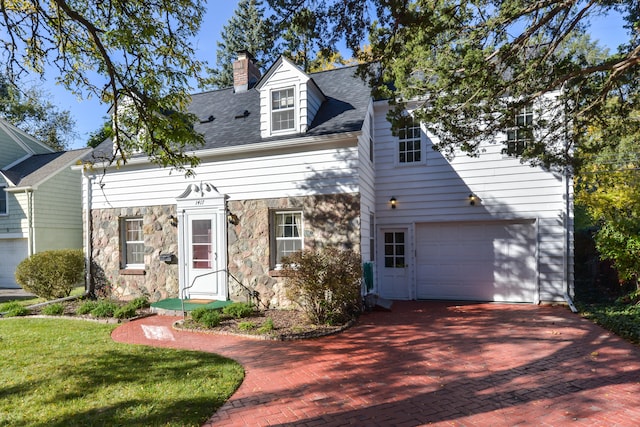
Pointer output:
238, 310
51, 274
56, 309
325, 283
207, 317
104, 309
125, 312
267, 326
246, 326
13, 309
138, 303
86, 307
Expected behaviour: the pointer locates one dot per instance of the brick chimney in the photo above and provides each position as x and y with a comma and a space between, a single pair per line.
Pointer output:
245, 72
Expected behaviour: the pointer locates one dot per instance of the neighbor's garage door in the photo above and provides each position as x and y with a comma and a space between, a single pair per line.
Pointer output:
486, 261
12, 251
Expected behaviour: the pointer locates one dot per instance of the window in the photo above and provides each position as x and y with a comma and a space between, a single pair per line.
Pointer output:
394, 250
282, 111
4, 200
520, 134
132, 243
288, 234
201, 243
409, 143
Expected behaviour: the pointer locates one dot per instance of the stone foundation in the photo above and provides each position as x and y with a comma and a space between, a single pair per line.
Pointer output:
159, 280
330, 220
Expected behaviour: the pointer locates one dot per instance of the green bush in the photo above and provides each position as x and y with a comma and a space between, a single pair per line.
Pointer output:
207, 317
51, 274
267, 326
125, 312
86, 307
246, 326
238, 310
138, 303
56, 309
325, 283
104, 309
13, 309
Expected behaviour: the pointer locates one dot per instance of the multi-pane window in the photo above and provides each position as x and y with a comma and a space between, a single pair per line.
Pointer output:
409, 143
4, 200
132, 242
521, 133
282, 109
288, 234
201, 243
372, 239
394, 250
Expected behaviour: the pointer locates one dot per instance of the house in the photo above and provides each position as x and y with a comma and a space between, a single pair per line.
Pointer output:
40, 200
295, 160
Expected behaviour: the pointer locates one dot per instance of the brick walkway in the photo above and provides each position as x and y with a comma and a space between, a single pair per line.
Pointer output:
427, 363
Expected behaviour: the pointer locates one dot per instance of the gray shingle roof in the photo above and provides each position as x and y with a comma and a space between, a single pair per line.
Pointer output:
344, 111
39, 167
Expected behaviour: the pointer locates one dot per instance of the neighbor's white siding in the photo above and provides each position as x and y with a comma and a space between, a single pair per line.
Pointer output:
438, 190
272, 175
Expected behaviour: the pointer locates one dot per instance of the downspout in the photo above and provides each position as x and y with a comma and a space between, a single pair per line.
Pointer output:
30, 229
88, 229
567, 219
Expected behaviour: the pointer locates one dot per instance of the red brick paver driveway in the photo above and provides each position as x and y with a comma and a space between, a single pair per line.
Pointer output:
427, 363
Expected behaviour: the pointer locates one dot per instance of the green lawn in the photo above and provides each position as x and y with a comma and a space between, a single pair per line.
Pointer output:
64, 372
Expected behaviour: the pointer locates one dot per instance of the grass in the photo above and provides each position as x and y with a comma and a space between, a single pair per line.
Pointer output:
60, 372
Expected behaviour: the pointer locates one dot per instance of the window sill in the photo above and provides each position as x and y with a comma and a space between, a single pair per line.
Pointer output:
278, 273
133, 271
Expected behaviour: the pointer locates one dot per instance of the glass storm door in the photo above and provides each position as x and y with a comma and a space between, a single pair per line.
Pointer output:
202, 258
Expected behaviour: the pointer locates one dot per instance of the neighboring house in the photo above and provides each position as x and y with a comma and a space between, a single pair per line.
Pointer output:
40, 200
297, 161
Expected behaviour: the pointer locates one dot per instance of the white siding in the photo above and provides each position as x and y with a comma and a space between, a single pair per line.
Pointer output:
438, 190
366, 180
282, 174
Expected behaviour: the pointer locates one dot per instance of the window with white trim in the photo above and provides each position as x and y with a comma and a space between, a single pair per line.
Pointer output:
394, 250
521, 134
132, 242
410, 143
4, 200
288, 234
282, 110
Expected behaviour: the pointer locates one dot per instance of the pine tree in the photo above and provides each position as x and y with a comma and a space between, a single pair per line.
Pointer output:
246, 30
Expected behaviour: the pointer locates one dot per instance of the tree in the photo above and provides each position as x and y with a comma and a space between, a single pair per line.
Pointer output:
246, 30
98, 136
466, 68
135, 55
29, 110
609, 189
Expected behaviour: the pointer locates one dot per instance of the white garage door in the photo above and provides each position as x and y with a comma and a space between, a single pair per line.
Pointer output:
12, 252
476, 261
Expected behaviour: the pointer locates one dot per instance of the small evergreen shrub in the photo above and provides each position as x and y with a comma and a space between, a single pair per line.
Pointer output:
238, 310
325, 284
207, 317
13, 309
86, 307
138, 303
267, 326
56, 309
104, 309
51, 274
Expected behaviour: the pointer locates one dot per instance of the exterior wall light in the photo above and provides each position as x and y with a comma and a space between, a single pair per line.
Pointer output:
233, 218
393, 202
473, 199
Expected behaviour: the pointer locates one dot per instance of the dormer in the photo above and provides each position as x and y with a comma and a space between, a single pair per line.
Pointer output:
289, 100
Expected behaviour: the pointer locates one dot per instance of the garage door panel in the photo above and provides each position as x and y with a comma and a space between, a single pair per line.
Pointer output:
12, 252
476, 261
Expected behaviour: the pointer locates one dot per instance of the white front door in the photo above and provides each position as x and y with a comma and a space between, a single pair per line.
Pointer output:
202, 248
203, 270
395, 274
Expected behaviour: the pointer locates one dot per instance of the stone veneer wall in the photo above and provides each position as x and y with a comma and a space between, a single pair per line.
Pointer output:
159, 280
328, 220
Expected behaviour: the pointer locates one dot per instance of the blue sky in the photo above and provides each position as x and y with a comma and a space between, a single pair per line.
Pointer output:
89, 114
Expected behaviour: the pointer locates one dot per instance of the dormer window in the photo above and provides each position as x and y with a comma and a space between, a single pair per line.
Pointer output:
282, 110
